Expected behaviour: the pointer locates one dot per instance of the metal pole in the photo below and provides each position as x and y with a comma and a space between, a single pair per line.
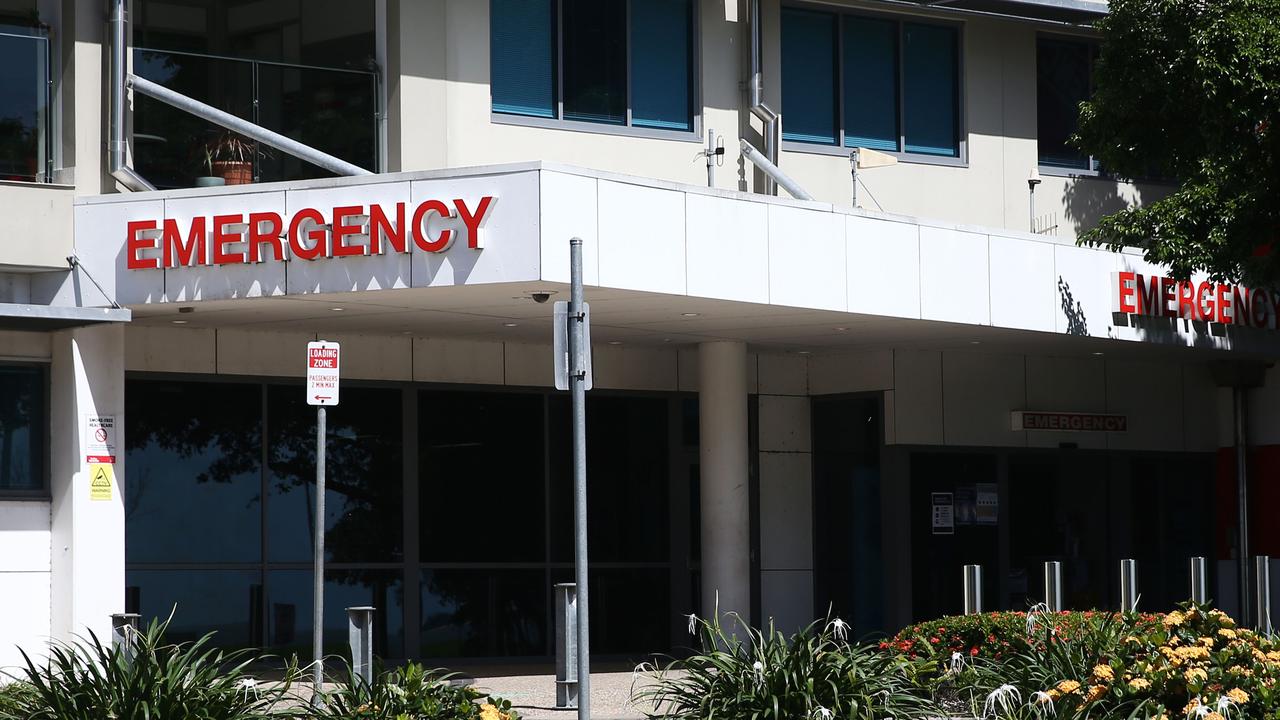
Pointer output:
1199, 581
566, 647
1128, 585
772, 171
124, 635
317, 602
117, 146
360, 637
1242, 502
1031, 225
578, 388
1053, 585
853, 170
711, 158
972, 589
1262, 594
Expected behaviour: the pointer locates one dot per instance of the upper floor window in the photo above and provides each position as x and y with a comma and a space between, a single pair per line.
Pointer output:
862, 81
25, 151
616, 62
1064, 71
22, 429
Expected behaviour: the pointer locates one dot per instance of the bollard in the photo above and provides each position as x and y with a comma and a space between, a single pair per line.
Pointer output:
360, 635
1053, 585
1262, 594
1128, 585
1199, 581
972, 589
124, 634
566, 645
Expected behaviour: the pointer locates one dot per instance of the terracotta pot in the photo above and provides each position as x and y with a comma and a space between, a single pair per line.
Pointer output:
234, 172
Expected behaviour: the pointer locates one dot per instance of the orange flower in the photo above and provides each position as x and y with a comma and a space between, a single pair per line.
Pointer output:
1238, 696
1066, 687
1103, 673
1095, 692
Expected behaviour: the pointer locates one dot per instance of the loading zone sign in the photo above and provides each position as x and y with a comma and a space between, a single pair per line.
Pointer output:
322, 373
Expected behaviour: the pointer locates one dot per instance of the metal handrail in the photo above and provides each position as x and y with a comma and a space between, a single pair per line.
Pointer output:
773, 171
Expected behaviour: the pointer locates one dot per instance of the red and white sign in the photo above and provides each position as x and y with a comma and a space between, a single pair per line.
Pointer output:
311, 233
1155, 296
322, 373
1069, 421
100, 439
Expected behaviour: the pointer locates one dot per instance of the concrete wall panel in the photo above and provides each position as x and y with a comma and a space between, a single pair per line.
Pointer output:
918, 397
173, 349
979, 393
1023, 293
954, 276
727, 249
786, 511
642, 238
1066, 384
883, 267
783, 374
242, 352
375, 357
569, 205
857, 372
1150, 394
457, 361
784, 424
806, 258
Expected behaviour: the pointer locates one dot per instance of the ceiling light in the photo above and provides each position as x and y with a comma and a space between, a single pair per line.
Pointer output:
510, 324
615, 342
179, 322
802, 352
337, 309
840, 329
1097, 354
975, 342
690, 314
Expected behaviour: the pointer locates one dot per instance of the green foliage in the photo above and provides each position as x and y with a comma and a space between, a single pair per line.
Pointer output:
411, 693
163, 681
996, 635
14, 697
1190, 90
813, 674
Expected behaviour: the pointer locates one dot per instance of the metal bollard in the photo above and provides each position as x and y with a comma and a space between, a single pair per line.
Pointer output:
1053, 585
1199, 581
124, 635
1262, 594
972, 589
566, 645
360, 635
1128, 585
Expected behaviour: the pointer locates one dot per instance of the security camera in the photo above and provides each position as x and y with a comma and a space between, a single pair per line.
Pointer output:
540, 296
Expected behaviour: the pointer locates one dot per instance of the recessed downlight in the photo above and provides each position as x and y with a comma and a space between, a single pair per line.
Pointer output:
690, 314
510, 324
178, 322
615, 342
337, 309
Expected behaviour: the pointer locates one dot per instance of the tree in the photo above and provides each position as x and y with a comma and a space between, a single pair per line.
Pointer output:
1190, 90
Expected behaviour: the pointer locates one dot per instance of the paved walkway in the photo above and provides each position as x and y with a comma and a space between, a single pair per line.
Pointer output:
534, 696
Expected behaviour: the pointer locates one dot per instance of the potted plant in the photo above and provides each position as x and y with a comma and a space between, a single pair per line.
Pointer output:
230, 157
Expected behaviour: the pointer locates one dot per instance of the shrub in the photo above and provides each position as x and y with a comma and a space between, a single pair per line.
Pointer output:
14, 696
995, 635
815, 673
411, 693
174, 682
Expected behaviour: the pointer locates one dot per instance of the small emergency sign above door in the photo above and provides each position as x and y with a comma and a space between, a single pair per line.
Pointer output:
322, 373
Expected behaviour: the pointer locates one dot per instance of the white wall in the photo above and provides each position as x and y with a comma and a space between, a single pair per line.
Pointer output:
25, 579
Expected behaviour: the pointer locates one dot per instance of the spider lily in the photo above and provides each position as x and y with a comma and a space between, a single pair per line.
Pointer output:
1033, 616
1225, 706
249, 687
1005, 698
957, 663
693, 623
841, 629
1041, 703
821, 713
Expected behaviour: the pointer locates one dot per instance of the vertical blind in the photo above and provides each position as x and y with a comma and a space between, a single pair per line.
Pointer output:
808, 76
522, 57
660, 60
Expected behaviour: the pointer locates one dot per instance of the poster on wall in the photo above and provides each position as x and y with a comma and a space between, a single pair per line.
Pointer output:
944, 521
99, 438
987, 504
966, 511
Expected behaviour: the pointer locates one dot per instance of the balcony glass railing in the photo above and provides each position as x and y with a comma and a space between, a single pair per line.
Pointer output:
332, 110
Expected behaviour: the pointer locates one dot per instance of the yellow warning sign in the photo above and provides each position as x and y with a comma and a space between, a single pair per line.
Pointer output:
100, 481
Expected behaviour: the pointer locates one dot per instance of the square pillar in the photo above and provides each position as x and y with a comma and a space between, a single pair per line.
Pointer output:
724, 478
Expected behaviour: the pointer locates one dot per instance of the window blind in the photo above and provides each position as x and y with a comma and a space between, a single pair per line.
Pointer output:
871, 83
522, 58
808, 76
930, 78
660, 64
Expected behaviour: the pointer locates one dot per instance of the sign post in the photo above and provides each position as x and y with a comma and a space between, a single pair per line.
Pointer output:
322, 392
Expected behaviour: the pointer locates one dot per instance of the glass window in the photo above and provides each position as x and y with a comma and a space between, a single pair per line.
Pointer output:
24, 95
808, 76
289, 601
194, 453
364, 488
619, 62
473, 613
1063, 69
481, 466
22, 428
226, 602
522, 57
898, 83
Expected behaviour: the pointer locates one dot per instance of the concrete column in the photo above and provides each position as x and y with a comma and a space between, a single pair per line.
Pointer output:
726, 520
87, 564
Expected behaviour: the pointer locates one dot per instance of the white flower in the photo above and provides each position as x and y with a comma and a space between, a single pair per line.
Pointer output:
1033, 616
1225, 706
841, 629
1041, 703
1005, 698
822, 713
248, 686
693, 623
957, 663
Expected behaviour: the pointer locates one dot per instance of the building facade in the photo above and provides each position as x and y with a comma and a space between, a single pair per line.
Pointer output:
800, 406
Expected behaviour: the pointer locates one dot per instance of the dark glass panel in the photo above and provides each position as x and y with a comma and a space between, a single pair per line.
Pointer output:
364, 498
226, 602
930, 89
480, 467
938, 558
630, 610
1062, 83
808, 76
194, 476
482, 613
24, 104
332, 33
22, 428
24, 13
169, 144
289, 595
628, 465
330, 110
595, 60
661, 64
870, 83
522, 67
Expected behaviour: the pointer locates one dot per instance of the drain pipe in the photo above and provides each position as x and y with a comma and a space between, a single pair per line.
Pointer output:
117, 146
772, 120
